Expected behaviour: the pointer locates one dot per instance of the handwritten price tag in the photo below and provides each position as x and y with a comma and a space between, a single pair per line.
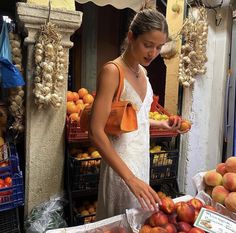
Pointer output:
214, 222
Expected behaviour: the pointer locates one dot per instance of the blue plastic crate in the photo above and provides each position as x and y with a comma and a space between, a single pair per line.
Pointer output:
12, 196
9, 161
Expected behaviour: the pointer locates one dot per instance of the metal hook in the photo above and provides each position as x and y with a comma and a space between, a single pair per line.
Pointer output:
49, 11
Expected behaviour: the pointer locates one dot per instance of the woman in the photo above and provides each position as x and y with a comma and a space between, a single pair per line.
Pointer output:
124, 176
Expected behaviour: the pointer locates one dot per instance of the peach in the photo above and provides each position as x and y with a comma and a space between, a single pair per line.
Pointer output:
145, 229
168, 205
158, 230
230, 164
158, 219
212, 178
230, 201
172, 218
220, 168
229, 181
161, 194
185, 125
219, 193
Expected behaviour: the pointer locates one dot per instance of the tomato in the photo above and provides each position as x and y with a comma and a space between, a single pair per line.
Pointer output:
4, 164
8, 181
2, 181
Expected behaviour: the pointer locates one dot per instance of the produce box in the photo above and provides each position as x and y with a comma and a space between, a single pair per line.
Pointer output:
130, 222
118, 224
200, 186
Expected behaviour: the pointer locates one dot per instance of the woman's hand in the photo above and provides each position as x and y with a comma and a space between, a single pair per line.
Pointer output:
146, 196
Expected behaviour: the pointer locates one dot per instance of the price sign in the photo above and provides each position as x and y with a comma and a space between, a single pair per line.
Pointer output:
214, 222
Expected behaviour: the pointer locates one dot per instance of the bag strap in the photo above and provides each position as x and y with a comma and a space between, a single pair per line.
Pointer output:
121, 81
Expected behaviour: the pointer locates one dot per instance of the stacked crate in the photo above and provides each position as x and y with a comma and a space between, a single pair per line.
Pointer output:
11, 189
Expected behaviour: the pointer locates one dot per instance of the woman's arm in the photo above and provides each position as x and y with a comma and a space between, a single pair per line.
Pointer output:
107, 84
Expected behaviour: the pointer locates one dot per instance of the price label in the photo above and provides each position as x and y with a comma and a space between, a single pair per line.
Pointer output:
214, 222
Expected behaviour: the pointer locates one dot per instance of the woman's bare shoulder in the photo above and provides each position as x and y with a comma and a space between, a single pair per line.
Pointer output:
109, 73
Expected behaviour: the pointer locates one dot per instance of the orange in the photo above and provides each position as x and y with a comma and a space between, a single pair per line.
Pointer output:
70, 96
82, 92
74, 117
71, 107
88, 99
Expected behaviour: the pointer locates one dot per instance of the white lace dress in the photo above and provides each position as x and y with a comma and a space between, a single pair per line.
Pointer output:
114, 196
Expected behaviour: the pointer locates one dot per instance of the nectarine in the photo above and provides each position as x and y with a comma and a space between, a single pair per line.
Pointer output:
158, 219
184, 226
196, 230
170, 228
196, 203
158, 230
145, 229
186, 213
168, 205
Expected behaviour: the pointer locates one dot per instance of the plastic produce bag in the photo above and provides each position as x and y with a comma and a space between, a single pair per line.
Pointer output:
11, 76
5, 48
48, 215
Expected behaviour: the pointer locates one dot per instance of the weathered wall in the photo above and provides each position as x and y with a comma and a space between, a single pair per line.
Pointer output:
203, 104
175, 22
62, 4
44, 136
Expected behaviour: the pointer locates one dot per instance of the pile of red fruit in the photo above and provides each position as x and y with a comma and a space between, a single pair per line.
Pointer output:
174, 217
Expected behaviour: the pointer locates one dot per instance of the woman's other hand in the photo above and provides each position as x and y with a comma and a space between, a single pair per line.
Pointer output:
146, 196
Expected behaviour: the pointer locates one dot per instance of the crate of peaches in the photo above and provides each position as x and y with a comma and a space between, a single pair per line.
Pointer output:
218, 187
84, 169
76, 102
157, 112
174, 215
85, 213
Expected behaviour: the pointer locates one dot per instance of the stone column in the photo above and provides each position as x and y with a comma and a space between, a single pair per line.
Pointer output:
45, 142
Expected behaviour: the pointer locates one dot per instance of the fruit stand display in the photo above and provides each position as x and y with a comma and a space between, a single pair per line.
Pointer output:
83, 160
217, 187
174, 215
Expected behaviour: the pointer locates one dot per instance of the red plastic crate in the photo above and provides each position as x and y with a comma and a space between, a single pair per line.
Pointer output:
74, 132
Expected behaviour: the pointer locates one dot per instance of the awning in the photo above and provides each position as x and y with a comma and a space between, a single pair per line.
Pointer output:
119, 4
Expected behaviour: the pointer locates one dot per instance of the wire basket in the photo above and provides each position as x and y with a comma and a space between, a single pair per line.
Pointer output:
74, 132
80, 220
9, 221
163, 165
84, 174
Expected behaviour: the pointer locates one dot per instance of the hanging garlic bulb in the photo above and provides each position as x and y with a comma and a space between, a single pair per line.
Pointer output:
16, 95
193, 52
49, 61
